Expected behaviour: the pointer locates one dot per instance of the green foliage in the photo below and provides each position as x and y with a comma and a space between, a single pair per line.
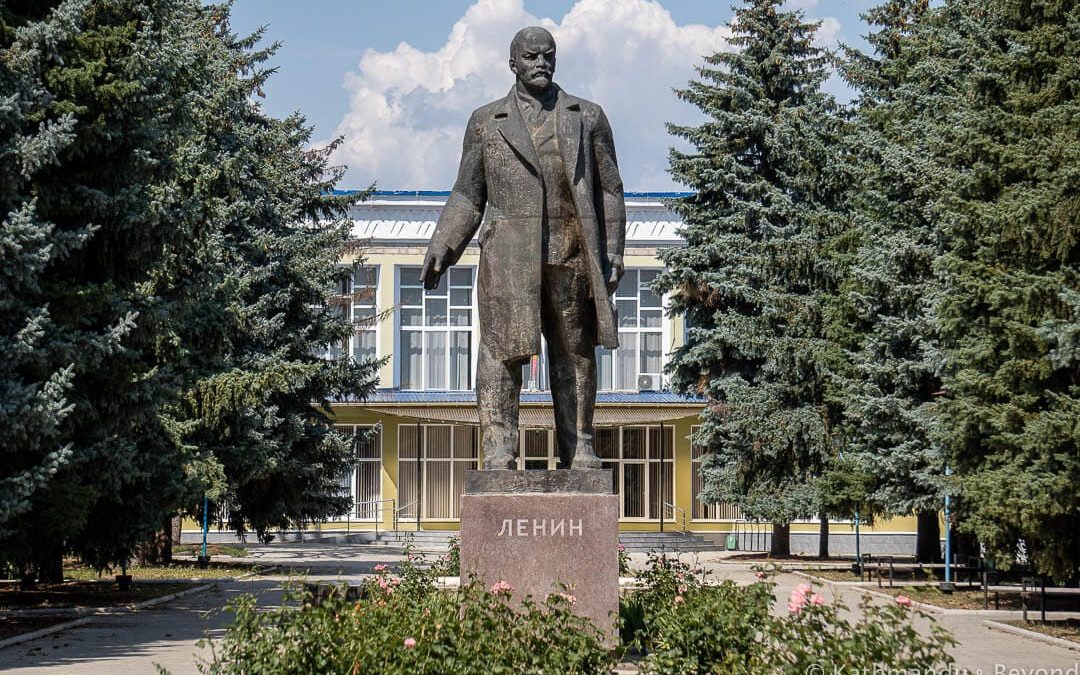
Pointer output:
1009, 215
707, 628
763, 230
891, 453
177, 247
624, 561
33, 395
404, 625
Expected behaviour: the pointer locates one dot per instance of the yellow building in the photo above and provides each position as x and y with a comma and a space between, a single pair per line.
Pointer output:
411, 469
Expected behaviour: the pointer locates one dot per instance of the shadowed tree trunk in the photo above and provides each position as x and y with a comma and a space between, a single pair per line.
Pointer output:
780, 544
49, 564
823, 536
157, 549
928, 538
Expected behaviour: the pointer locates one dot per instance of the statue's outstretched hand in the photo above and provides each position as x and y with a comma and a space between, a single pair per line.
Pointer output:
615, 273
435, 264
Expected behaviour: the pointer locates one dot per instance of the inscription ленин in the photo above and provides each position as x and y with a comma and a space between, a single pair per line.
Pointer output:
540, 527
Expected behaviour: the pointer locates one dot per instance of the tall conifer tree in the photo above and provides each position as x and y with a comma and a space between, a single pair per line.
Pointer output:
752, 277
191, 311
32, 393
263, 448
891, 285
1010, 216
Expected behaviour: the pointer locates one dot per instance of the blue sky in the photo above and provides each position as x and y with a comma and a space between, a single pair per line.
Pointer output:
398, 78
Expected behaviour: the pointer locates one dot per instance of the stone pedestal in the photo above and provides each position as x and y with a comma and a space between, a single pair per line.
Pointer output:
537, 530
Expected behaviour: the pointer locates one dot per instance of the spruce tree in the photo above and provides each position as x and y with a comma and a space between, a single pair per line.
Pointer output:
189, 315
265, 450
754, 274
116, 78
891, 285
32, 395
1009, 212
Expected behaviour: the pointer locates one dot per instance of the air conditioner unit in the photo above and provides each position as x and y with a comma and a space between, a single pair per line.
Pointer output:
648, 382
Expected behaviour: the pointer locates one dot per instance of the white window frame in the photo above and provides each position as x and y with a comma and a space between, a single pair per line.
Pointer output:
695, 464
663, 330
552, 457
352, 430
399, 327
373, 305
621, 461
409, 464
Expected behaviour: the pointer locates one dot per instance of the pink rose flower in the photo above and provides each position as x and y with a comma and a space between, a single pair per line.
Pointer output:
903, 601
760, 575
816, 599
381, 568
501, 588
621, 548
410, 643
679, 600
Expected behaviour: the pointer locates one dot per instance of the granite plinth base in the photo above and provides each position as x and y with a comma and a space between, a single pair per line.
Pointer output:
542, 530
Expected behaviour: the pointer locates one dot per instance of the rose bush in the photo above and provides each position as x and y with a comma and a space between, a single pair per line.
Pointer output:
689, 627
404, 625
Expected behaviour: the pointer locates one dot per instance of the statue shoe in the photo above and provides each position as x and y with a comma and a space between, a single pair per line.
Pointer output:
499, 462
586, 460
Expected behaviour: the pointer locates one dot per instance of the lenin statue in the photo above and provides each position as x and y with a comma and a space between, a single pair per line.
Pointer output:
538, 177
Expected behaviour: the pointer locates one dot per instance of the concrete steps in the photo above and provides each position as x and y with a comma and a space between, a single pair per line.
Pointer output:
643, 542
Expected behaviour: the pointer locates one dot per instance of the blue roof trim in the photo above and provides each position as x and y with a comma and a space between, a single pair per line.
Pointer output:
446, 193
641, 398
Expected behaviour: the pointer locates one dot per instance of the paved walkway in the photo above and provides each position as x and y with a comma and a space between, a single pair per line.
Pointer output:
167, 635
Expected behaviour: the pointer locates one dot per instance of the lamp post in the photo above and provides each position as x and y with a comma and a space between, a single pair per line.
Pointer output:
204, 560
948, 586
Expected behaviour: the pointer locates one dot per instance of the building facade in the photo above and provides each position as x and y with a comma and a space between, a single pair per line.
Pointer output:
418, 434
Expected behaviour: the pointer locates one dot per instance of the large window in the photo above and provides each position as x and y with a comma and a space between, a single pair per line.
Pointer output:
700, 509
364, 483
641, 335
643, 470
432, 460
436, 330
537, 450
354, 299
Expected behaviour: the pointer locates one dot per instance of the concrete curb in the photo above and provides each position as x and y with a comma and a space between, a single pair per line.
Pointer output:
1034, 635
102, 611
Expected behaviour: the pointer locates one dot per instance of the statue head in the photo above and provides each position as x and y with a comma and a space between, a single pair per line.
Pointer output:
532, 58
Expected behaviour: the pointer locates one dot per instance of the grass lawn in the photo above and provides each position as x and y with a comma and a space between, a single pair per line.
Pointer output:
195, 550
82, 594
959, 599
177, 570
1067, 629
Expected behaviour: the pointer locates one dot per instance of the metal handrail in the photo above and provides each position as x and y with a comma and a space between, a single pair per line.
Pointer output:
673, 510
397, 515
378, 517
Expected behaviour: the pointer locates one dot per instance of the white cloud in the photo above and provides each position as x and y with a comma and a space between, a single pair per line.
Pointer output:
408, 107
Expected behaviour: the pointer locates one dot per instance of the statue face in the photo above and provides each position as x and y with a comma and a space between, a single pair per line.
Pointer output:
533, 61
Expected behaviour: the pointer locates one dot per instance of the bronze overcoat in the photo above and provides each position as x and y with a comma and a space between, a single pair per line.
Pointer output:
499, 189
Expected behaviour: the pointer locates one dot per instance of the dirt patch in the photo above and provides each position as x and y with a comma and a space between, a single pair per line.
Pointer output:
84, 594
958, 599
1066, 629
11, 626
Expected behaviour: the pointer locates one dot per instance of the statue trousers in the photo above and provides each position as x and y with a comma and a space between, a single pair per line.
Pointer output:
568, 323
